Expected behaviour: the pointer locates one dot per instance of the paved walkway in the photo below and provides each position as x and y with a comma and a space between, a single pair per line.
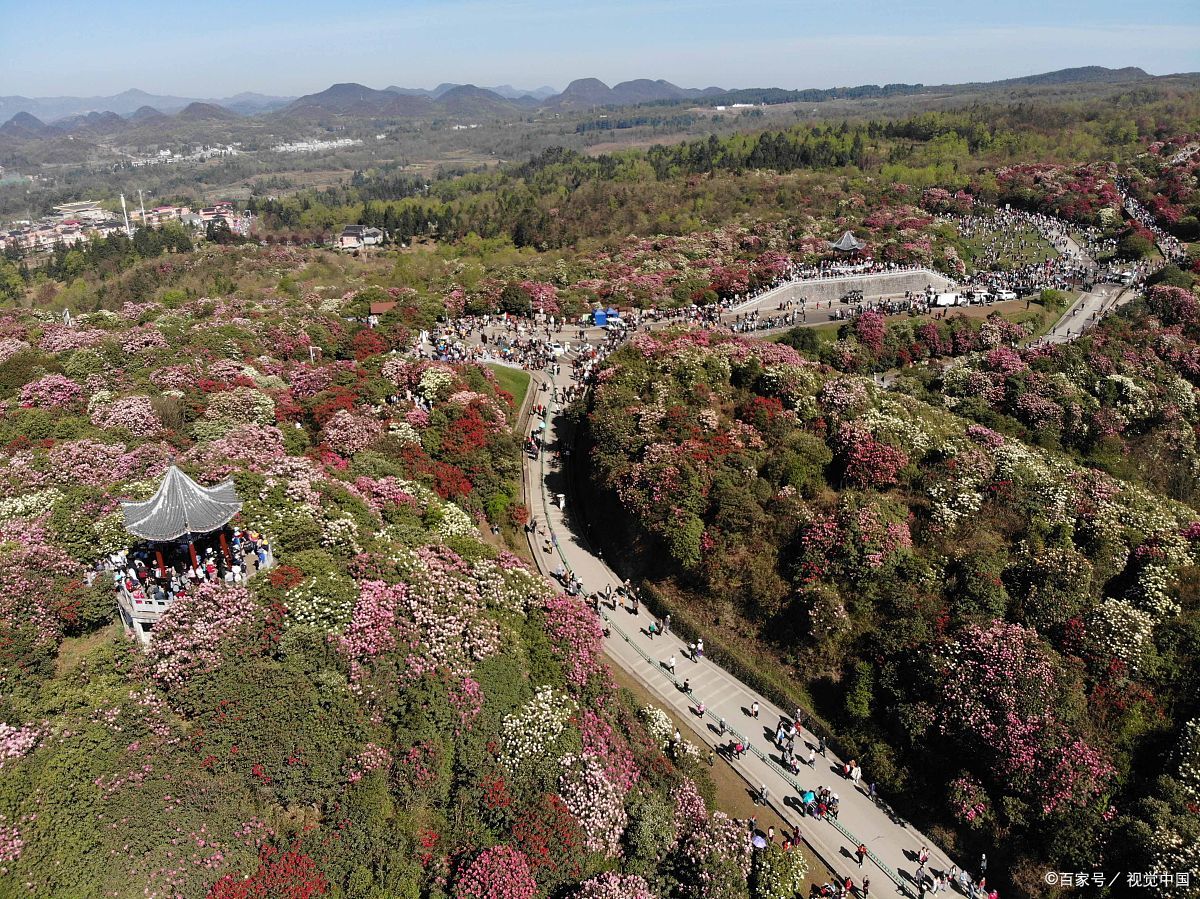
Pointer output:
1086, 312
893, 844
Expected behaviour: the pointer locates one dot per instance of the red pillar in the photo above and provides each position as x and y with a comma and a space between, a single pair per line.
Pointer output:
225, 549
162, 567
192, 553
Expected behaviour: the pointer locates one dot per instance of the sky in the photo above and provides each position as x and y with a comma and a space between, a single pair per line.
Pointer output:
217, 48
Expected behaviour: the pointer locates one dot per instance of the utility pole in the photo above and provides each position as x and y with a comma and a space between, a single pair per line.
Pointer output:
125, 212
142, 203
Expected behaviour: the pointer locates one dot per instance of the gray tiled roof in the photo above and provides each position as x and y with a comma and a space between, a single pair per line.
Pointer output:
181, 506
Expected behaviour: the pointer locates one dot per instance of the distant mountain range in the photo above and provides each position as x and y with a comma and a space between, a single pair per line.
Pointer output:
26, 118
24, 126
507, 91
49, 109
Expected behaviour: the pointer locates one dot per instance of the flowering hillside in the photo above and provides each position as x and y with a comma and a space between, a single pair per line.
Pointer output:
395, 707
996, 633
1122, 398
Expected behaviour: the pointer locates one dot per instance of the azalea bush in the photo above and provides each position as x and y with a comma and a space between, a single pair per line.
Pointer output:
497, 873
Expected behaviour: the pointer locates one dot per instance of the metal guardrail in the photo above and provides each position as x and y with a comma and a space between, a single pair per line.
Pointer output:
891, 874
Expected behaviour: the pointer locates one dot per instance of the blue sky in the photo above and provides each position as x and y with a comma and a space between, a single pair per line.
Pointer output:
218, 47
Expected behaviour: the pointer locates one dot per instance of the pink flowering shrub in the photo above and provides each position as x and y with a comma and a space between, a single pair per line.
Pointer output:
576, 635
596, 802
17, 742
869, 329
999, 695
50, 392
601, 741
134, 414
866, 461
144, 338
543, 297
612, 885
10, 346
347, 433
969, 800
497, 873
193, 632
11, 843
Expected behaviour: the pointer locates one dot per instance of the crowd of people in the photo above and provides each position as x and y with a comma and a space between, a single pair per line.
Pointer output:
1011, 259
1170, 246
137, 574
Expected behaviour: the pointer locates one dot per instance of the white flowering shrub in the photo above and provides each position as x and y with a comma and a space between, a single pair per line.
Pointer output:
658, 724
405, 433
455, 523
435, 383
1122, 630
532, 732
322, 601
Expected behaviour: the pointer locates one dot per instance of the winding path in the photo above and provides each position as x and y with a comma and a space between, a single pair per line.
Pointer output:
892, 842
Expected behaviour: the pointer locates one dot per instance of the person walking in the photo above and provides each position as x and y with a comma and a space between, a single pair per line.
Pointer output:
763, 794
651, 630
666, 624
812, 759
754, 709
861, 852
866, 888
671, 665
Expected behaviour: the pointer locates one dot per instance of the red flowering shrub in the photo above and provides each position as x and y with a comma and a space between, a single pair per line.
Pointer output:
280, 875
866, 462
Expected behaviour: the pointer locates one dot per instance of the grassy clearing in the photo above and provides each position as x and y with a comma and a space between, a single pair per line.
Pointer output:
514, 381
1038, 250
74, 650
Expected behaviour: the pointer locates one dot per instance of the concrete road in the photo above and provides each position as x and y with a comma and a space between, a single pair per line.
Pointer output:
892, 842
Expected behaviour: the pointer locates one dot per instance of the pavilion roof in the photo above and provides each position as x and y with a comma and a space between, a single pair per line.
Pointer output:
181, 506
847, 243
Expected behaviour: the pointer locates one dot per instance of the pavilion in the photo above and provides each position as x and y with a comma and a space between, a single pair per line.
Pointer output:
182, 510
848, 243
